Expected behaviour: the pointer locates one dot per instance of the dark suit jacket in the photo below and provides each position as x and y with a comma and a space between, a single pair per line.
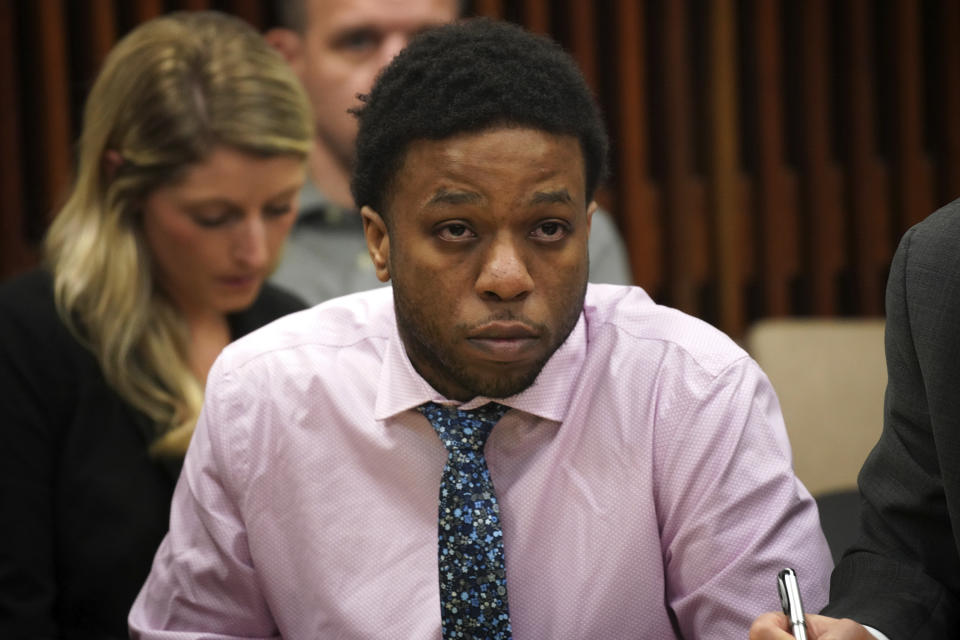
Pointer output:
83, 507
903, 575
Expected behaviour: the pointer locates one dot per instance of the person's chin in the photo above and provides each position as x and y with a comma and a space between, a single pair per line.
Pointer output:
237, 301
506, 387
494, 379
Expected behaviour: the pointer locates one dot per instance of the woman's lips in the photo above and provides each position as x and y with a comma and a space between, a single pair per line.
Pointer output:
239, 282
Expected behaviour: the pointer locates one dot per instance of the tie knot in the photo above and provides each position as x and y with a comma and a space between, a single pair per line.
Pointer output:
460, 430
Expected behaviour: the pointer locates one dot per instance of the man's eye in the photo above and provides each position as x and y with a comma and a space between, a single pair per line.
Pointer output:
360, 40
455, 231
550, 230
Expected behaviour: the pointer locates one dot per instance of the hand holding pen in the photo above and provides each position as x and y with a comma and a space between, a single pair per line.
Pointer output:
793, 623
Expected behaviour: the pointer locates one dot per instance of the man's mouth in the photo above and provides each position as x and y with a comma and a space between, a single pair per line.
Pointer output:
504, 341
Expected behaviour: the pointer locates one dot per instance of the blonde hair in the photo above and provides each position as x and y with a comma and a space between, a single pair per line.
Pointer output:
169, 92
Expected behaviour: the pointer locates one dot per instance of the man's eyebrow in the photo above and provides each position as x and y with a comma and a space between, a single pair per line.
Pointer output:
444, 196
559, 196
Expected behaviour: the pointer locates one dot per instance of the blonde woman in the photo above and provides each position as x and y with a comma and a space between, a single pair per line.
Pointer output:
191, 157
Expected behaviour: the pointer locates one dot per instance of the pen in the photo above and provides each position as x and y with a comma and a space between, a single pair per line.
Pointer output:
789, 590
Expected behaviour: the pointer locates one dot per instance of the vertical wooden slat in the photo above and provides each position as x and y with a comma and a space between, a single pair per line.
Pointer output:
15, 255
779, 232
536, 15
912, 172
683, 247
868, 205
489, 8
146, 9
103, 28
50, 28
200, 5
729, 228
250, 10
825, 223
637, 209
583, 40
949, 122
891, 182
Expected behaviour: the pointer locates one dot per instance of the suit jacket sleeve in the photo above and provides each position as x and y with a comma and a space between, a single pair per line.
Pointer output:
903, 575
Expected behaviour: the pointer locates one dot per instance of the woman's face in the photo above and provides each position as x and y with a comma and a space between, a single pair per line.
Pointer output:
216, 234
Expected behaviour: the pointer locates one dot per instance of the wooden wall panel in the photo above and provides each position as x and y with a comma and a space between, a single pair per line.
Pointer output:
730, 218
821, 184
489, 8
536, 15
948, 22
914, 180
776, 210
253, 11
146, 9
866, 176
16, 253
682, 192
767, 155
201, 5
47, 24
640, 218
103, 28
583, 43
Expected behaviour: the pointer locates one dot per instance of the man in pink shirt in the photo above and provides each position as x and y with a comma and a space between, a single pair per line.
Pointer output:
637, 485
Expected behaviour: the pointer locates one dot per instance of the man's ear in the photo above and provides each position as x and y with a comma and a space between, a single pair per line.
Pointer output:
591, 209
378, 242
288, 42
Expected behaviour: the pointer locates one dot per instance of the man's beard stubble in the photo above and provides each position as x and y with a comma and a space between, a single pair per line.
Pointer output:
423, 342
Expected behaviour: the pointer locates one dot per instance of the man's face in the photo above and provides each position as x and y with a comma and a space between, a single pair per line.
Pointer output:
344, 46
486, 244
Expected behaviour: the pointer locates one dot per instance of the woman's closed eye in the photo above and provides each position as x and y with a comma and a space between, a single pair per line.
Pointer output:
213, 220
277, 210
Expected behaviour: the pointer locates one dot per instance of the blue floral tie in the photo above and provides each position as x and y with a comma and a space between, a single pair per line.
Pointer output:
473, 581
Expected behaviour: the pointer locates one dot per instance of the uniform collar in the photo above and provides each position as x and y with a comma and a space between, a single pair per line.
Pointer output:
317, 209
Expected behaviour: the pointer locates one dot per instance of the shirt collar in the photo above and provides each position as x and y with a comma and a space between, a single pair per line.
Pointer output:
316, 208
401, 388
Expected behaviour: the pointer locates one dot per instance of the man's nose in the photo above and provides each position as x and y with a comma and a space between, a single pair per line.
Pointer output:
504, 274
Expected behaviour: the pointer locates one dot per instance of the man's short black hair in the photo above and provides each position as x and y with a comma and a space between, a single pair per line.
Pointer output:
467, 77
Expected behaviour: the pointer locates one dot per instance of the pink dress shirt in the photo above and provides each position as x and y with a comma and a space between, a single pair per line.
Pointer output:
644, 480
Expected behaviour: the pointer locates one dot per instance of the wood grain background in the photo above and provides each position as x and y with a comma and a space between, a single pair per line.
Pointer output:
767, 155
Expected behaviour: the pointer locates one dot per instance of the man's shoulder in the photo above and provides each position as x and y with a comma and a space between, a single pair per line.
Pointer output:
650, 328
329, 327
937, 233
926, 266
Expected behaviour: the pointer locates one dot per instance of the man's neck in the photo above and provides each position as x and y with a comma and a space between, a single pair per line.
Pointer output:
330, 176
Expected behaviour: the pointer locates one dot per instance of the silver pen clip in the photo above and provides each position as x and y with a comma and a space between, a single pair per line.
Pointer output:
789, 590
